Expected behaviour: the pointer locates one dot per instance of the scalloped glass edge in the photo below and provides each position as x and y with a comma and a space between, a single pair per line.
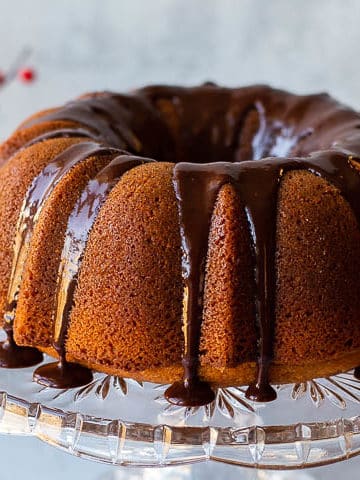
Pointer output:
124, 443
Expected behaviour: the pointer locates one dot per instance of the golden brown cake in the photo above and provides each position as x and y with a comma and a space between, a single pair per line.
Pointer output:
192, 236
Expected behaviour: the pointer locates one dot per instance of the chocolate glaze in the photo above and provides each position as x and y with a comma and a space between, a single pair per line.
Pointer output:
208, 125
121, 121
13, 356
59, 133
196, 187
62, 374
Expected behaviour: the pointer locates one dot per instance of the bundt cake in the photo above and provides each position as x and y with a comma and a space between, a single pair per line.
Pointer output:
191, 236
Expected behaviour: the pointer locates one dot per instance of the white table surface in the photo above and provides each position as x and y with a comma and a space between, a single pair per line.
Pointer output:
78, 46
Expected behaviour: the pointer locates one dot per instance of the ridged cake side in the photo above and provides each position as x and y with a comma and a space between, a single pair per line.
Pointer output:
128, 302
126, 318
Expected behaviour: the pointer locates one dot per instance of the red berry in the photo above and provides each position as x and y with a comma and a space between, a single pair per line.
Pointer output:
2, 78
26, 74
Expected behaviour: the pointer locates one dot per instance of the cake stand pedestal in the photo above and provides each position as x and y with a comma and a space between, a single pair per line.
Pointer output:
129, 424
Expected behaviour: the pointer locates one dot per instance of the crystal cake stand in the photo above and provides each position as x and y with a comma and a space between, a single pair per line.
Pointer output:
127, 423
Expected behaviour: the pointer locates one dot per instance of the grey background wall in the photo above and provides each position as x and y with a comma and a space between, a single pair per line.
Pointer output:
82, 45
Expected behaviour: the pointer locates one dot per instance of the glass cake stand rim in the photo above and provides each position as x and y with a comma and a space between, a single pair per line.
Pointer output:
135, 444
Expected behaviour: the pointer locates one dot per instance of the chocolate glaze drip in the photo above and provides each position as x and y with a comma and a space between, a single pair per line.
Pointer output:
258, 192
13, 356
203, 125
62, 374
196, 187
33, 203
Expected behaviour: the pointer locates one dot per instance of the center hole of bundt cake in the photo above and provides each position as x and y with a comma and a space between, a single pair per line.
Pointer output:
252, 136
261, 137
